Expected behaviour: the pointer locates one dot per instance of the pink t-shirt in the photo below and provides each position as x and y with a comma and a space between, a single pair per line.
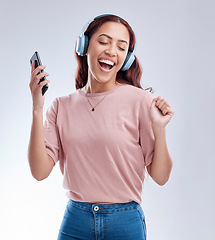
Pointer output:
102, 153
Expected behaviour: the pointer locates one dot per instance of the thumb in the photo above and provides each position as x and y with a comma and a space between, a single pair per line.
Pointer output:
155, 99
153, 102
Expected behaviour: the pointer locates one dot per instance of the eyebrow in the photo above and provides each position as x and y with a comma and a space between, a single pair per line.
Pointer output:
103, 34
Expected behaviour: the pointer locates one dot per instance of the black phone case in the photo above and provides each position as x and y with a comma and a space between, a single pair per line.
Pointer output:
38, 62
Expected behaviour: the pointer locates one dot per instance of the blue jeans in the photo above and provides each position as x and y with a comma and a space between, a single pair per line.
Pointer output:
89, 221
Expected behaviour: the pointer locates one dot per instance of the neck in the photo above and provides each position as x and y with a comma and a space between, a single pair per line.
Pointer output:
94, 86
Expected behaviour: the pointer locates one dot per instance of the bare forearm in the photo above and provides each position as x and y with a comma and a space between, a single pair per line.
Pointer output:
162, 163
40, 163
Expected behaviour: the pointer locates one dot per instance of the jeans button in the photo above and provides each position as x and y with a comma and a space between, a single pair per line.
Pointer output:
96, 208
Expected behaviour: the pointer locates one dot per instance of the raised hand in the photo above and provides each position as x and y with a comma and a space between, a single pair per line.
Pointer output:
36, 87
161, 112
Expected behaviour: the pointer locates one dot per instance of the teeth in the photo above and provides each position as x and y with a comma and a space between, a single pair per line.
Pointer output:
106, 61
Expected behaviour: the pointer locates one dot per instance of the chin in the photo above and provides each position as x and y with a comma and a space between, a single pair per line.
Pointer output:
104, 79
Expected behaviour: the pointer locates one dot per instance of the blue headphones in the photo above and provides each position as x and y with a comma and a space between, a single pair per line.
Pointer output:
83, 42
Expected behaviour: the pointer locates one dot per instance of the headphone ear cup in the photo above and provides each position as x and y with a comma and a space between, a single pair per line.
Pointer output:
82, 45
128, 61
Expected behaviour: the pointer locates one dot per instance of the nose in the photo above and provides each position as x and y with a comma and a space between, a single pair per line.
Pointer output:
111, 50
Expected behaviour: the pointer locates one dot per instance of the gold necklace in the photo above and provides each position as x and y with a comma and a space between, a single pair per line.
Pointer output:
93, 108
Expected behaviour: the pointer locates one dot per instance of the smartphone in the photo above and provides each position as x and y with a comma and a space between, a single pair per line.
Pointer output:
38, 62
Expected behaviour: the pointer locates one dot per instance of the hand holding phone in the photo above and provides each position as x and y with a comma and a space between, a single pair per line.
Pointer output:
38, 62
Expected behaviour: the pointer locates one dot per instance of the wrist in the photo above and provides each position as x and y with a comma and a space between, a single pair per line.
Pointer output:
158, 129
37, 110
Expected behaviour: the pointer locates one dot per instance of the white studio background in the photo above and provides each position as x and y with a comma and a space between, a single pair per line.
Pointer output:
176, 48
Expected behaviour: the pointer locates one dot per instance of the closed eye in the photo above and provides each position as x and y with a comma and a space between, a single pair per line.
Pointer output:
102, 43
122, 49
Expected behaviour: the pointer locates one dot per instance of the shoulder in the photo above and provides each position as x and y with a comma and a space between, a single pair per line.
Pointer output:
61, 102
65, 100
137, 93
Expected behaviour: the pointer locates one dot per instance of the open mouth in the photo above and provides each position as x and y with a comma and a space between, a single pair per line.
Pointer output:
106, 65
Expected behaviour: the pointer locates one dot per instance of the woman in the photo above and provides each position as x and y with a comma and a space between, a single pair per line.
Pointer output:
103, 135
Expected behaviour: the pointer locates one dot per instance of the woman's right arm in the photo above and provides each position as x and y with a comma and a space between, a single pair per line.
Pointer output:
41, 164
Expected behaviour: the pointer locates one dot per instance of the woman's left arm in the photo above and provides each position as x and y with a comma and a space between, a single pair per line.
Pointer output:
161, 166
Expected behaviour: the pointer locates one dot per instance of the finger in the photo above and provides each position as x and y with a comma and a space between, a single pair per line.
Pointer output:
161, 103
158, 100
34, 83
30, 85
35, 74
168, 110
33, 66
37, 88
43, 83
37, 70
164, 105
39, 76
155, 99
165, 110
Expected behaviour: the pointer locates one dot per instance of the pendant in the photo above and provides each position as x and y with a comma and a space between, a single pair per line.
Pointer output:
93, 109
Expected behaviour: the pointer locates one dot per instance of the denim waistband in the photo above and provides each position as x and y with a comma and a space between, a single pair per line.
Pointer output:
106, 207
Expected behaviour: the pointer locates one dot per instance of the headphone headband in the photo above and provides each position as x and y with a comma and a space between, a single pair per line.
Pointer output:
83, 42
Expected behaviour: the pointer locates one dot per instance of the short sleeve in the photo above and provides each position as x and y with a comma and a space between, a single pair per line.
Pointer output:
51, 133
146, 135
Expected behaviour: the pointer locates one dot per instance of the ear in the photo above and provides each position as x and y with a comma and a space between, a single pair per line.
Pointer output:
76, 44
87, 51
